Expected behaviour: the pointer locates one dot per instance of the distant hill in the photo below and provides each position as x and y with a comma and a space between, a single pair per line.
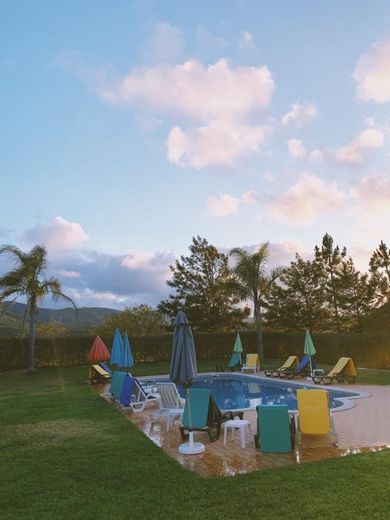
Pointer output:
87, 317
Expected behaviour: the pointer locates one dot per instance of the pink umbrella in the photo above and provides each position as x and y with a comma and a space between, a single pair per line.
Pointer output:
99, 351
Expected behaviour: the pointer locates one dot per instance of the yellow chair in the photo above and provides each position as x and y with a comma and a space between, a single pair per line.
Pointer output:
344, 370
291, 364
252, 362
314, 416
97, 374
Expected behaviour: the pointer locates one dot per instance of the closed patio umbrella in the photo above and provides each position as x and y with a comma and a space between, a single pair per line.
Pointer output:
126, 360
117, 348
309, 349
238, 346
99, 351
182, 371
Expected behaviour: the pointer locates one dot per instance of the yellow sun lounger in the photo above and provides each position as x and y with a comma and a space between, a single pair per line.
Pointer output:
344, 370
97, 374
291, 363
314, 416
252, 363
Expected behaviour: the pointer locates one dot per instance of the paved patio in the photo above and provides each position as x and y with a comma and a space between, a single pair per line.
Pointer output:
365, 427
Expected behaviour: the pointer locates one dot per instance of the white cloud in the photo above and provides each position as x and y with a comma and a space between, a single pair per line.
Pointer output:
374, 193
300, 114
354, 151
219, 103
296, 148
317, 155
247, 41
221, 142
208, 40
145, 262
227, 204
60, 237
372, 73
63, 273
195, 91
165, 44
306, 200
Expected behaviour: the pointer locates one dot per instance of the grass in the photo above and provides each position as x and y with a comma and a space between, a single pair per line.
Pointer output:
67, 454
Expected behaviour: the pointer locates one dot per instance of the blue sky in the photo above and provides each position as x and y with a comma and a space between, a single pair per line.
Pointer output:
128, 127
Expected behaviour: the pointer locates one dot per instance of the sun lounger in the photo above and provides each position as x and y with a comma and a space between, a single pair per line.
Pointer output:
303, 369
117, 380
344, 370
97, 374
252, 362
126, 391
314, 416
171, 403
275, 429
201, 413
105, 367
291, 363
140, 398
234, 363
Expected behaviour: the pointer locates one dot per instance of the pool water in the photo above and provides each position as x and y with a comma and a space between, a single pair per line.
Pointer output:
234, 391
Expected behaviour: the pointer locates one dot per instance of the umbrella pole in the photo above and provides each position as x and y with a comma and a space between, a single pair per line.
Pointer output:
190, 447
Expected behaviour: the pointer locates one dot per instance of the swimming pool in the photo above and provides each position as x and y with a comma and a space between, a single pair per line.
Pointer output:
243, 392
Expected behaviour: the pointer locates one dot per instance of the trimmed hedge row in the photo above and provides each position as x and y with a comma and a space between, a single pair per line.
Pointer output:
367, 350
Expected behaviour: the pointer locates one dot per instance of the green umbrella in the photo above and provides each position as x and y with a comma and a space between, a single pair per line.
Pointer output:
309, 349
238, 346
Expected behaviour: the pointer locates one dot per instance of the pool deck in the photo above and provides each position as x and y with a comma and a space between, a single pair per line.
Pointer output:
365, 427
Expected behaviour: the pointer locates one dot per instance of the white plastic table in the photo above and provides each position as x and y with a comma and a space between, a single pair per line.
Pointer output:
237, 424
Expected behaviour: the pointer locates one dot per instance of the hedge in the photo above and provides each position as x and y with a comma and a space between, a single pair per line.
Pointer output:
367, 350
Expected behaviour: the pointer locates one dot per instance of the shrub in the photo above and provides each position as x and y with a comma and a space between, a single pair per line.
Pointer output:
367, 350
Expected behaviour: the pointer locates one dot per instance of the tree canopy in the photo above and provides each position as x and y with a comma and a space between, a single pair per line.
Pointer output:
204, 288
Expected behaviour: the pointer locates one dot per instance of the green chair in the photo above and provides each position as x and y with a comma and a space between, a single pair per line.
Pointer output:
117, 380
234, 363
201, 413
275, 429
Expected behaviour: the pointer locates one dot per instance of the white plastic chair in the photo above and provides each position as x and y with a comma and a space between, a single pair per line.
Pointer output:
171, 404
140, 398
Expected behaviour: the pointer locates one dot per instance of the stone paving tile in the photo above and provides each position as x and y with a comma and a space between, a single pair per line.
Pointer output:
366, 427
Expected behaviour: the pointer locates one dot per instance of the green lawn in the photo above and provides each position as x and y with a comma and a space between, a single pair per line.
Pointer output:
65, 453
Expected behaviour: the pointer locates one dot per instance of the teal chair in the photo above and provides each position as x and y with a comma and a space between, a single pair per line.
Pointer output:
205, 414
275, 429
234, 363
117, 380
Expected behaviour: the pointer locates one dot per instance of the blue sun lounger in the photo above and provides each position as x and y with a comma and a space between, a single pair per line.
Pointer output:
303, 368
105, 367
117, 380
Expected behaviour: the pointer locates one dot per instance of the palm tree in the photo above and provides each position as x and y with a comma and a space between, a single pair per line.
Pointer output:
27, 280
253, 282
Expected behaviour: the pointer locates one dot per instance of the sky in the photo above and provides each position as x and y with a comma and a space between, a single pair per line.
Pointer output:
128, 127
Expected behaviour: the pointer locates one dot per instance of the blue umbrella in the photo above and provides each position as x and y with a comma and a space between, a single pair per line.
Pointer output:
183, 361
117, 348
183, 370
126, 360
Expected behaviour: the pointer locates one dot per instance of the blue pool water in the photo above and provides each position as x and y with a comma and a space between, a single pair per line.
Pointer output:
234, 391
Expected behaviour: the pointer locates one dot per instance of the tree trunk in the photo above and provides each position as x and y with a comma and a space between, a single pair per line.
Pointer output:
259, 331
31, 343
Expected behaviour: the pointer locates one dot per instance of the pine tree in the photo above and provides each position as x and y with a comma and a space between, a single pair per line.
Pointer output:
380, 273
331, 260
204, 289
297, 301
356, 296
